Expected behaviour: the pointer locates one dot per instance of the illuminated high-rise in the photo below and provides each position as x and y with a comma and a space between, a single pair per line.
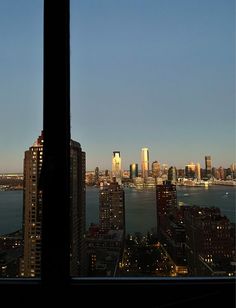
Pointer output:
233, 170
133, 171
145, 162
198, 171
116, 166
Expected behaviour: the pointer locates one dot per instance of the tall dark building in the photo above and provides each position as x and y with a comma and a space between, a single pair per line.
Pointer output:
112, 207
172, 174
170, 227
32, 209
78, 218
96, 175
105, 242
166, 199
210, 241
208, 166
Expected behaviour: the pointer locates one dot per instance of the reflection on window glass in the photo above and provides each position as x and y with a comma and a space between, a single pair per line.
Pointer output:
21, 61
152, 100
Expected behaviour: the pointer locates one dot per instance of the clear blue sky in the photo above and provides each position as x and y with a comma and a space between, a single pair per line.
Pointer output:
150, 73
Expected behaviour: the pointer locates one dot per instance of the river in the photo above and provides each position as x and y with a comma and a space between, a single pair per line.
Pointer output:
139, 206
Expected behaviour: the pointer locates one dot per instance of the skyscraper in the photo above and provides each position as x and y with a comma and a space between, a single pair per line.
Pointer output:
208, 166
32, 209
233, 170
210, 240
156, 169
170, 230
145, 162
166, 199
172, 174
77, 206
198, 171
112, 207
190, 170
116, 166
133, 171
96, 175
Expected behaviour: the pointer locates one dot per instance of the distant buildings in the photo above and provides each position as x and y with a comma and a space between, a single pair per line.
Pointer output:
138, 182
172, 175
233, 170
190, 171
198, 171
208, 166
156, 169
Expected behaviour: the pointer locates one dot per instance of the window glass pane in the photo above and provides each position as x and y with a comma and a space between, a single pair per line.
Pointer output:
153, 106
21, 94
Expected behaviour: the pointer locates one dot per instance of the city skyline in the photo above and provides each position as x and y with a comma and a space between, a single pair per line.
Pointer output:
158, 74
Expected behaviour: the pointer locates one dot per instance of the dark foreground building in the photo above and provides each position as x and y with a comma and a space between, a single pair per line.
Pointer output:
170, 226
32, 209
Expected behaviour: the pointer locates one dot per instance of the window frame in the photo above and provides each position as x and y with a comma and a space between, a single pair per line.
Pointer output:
55, 269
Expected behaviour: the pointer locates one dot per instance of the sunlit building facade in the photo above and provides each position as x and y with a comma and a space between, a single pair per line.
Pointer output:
133, 171
116, 166
145, 162
198, 171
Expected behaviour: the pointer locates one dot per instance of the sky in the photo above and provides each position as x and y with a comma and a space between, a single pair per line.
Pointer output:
151, 73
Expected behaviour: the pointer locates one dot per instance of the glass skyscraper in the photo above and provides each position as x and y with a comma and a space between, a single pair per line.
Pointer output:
145, 162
